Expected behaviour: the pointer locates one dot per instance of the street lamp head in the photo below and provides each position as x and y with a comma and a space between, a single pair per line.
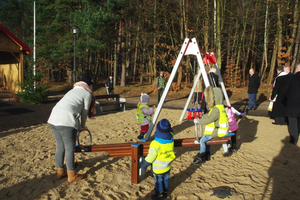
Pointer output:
74, 30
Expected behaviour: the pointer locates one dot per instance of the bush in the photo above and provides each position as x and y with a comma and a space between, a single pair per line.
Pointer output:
31, 95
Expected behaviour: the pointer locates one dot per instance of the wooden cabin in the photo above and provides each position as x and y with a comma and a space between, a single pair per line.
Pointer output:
12, 52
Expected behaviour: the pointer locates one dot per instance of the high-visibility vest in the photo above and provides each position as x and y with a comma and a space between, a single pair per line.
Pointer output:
140, 115
164, 158
223, 123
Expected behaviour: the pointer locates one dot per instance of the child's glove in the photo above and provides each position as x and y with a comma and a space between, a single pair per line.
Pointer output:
144, 164
241, 115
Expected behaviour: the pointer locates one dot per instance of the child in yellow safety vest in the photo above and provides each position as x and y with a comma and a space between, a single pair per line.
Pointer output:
161, 154
215, 121
143, 114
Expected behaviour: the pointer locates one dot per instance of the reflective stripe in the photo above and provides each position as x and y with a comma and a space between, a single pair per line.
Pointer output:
225, 125
140, 115
160, 162
223, 131
156, 167
209, 128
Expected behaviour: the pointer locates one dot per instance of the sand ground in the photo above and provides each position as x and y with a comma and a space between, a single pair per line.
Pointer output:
265, 166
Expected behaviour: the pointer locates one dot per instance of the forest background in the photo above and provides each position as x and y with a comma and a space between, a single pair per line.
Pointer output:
135, 39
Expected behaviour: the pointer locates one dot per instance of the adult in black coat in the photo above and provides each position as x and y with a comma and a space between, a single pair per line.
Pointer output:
278, 96
293, 106
254, 83
109, 84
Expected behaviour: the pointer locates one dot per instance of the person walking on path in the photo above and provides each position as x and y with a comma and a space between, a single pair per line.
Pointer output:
278, 97
109, 84
77, 104
254, 83
160, 84
293, 106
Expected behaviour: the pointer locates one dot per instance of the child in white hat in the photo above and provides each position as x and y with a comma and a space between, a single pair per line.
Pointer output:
144, 114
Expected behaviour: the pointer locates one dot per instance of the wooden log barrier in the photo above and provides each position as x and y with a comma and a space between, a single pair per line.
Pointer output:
138, 149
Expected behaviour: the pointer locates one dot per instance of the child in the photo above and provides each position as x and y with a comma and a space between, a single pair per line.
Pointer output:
233, 127
215, 121
143, 114
161, 154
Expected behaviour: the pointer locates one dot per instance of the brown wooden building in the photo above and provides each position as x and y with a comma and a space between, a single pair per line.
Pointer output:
12, 52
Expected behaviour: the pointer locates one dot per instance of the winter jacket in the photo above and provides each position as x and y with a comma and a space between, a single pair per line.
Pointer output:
254, 83
161, 82
144, 114
214, 114
73, 106
293, 96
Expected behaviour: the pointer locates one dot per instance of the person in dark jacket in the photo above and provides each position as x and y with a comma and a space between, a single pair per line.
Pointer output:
293, 106
160, 84
109, 84
254, 83
278, 97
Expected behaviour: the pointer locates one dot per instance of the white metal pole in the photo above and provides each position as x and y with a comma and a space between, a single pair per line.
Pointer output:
190, 96
166, 90
74, 31
193, 49
34, 67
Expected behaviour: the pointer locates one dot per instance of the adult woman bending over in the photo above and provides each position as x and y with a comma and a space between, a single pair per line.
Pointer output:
78, 103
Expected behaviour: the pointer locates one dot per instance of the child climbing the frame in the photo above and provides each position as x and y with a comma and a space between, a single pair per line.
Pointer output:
161, 154
143, 114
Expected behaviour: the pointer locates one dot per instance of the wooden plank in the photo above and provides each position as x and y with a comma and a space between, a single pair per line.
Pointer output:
121, 147
135, 165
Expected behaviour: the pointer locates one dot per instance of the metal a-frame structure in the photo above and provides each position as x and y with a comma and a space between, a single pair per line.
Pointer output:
189, 47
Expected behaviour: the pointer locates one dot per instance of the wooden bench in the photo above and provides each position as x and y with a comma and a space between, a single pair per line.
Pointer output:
138, 149
118, 102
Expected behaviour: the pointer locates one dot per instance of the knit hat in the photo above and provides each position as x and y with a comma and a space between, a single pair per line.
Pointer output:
163, 129
87, 79
144, 97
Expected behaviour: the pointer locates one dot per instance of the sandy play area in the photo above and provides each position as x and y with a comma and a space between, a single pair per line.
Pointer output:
265, 166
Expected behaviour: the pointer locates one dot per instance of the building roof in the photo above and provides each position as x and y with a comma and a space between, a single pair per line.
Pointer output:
23, 47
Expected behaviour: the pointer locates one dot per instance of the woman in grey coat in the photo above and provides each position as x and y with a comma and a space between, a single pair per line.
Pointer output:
77, 104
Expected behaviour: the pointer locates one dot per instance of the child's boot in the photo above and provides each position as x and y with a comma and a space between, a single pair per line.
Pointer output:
141, 136
165, 194
199, 159
157, 196
207, 155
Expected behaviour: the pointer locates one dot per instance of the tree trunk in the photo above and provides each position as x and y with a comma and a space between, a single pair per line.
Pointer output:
273, 62
294, 30
296, 49
123, 75
264, 63
279, 32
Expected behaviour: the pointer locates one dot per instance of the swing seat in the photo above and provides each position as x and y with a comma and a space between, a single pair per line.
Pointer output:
193, 113
229, 135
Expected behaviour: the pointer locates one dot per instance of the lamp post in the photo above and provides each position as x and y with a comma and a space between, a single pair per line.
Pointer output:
74, 70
